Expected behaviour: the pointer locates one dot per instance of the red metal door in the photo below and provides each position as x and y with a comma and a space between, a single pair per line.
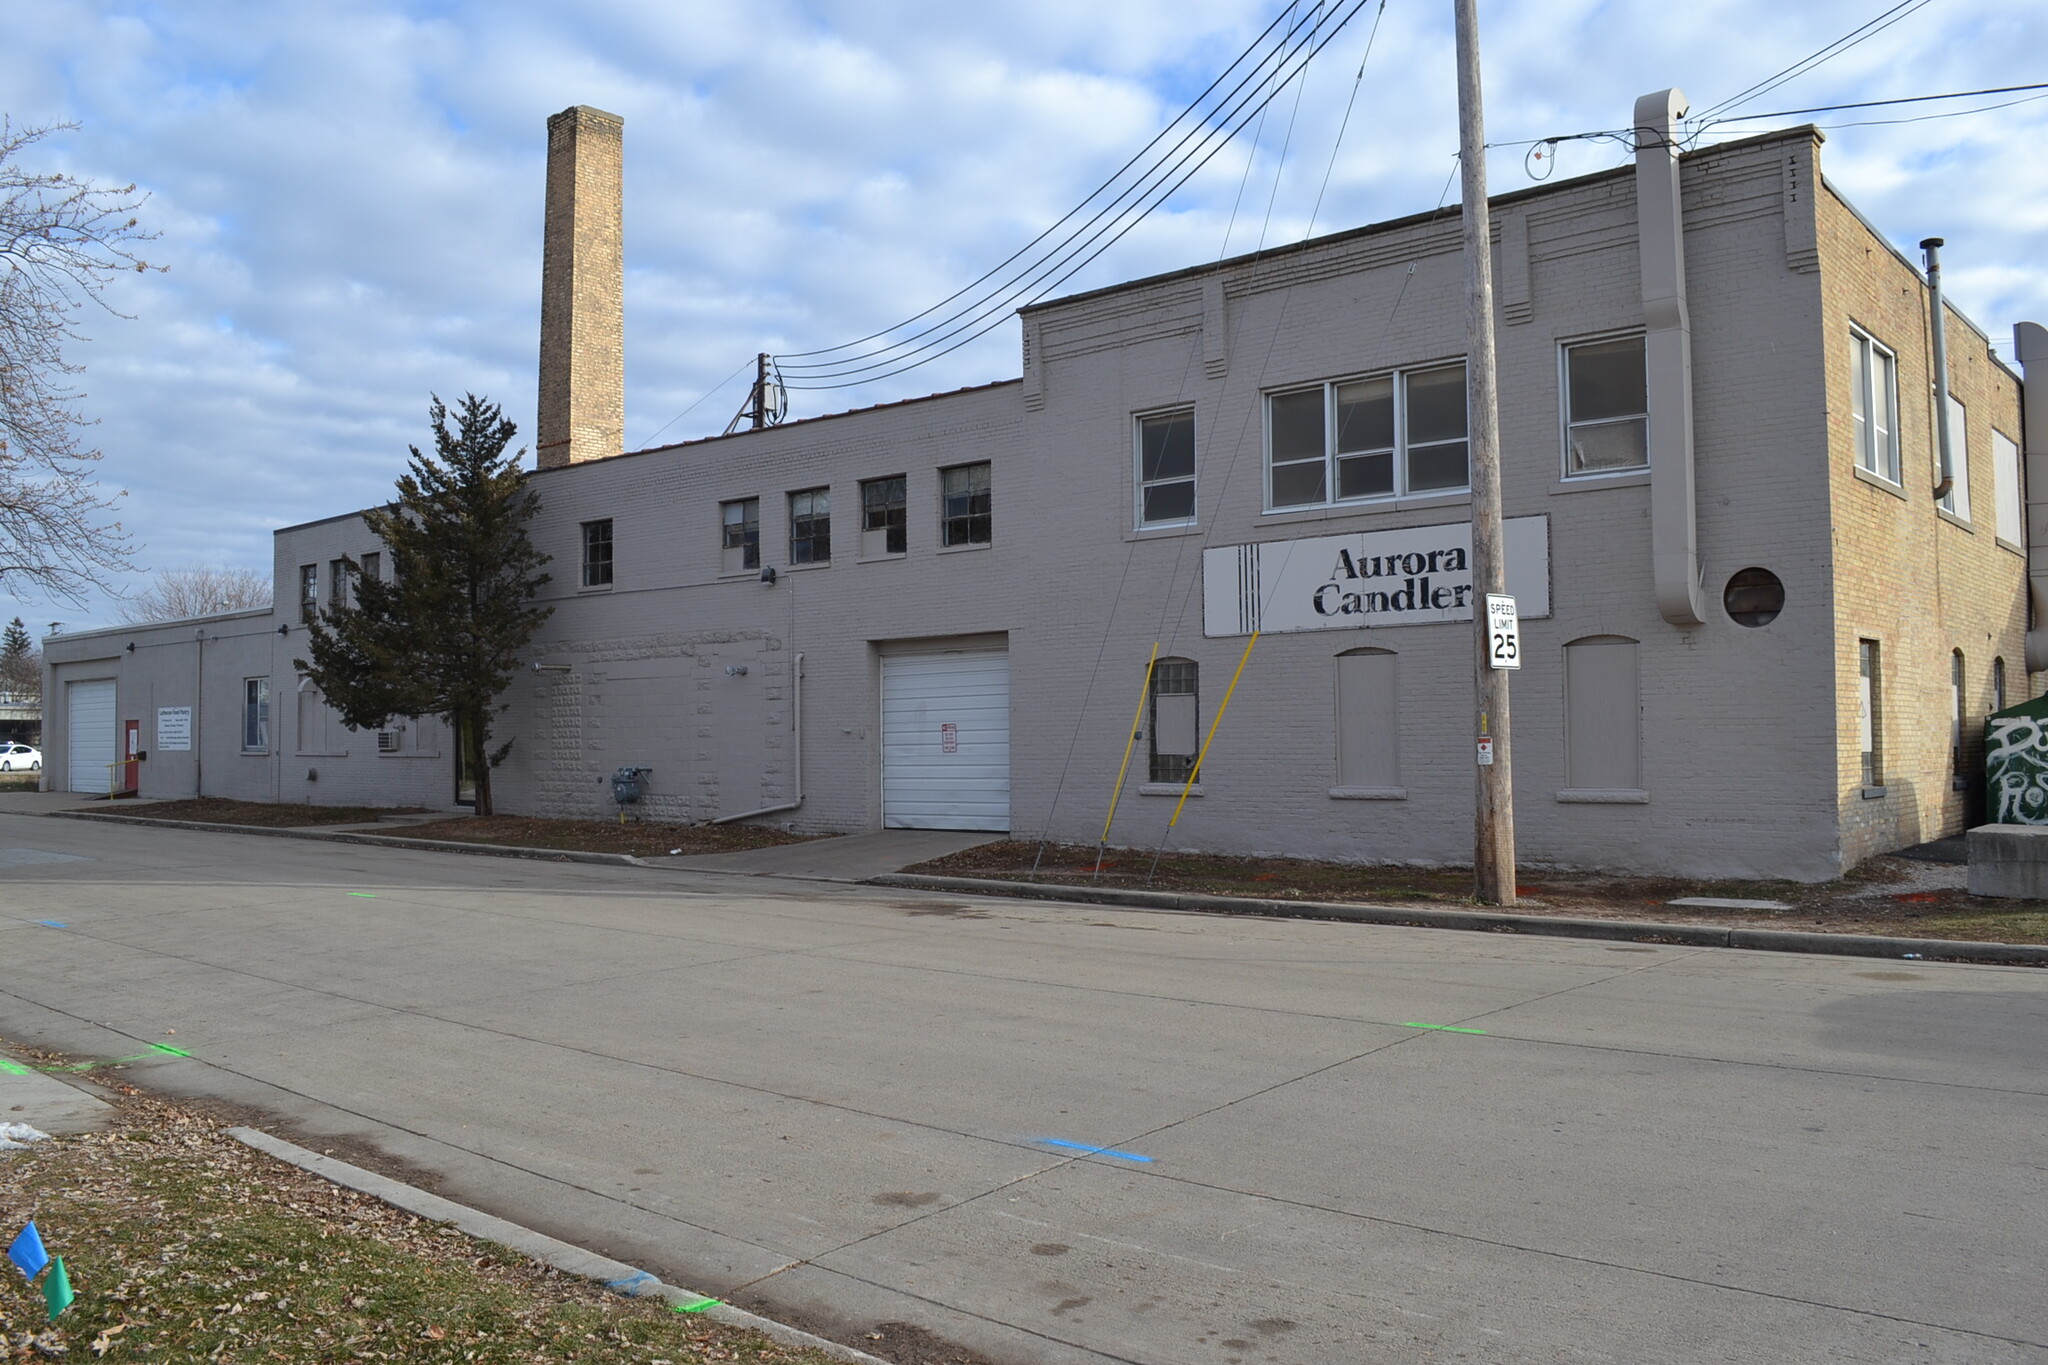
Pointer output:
131, 745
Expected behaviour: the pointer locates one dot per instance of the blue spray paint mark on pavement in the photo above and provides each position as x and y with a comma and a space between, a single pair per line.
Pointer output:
54, 923
1088, 1149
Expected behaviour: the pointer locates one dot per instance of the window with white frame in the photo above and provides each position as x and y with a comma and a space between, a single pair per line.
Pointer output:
1376, 437
255, 715
1874, 406
1166, 469
1606, 407
1956, 501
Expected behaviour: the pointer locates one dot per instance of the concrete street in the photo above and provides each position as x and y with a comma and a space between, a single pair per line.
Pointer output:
843, 1106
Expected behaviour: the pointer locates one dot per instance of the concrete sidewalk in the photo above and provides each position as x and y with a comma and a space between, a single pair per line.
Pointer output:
849, 858
45, 1101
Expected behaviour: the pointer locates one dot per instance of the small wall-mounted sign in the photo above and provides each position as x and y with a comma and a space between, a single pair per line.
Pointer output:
1503, 632
174, 727
949, 738
1486, 751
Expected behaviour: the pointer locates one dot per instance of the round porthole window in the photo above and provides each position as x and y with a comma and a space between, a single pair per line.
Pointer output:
1754, 597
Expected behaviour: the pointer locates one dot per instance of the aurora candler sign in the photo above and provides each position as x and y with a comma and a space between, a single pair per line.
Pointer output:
1417, 575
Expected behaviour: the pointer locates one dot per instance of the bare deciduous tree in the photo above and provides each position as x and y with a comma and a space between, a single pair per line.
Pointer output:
62, 240
196, 590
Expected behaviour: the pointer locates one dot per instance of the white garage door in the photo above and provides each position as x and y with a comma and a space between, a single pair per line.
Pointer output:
89, 733
946, 740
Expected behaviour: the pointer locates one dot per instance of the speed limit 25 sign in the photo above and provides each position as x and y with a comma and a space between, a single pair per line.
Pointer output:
1503, 632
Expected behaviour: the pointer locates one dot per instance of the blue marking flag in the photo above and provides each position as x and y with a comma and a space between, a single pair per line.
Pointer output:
27, 1252
1087, 1150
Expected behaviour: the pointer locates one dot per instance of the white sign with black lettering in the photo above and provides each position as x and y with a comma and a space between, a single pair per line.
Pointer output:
1503, 632
173, 727
1409, 576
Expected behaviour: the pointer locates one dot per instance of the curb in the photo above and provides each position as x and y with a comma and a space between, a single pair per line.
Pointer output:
617, 1276
1689, 935
560, 855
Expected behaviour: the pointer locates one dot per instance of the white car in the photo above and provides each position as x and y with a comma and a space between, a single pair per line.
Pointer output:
20, 758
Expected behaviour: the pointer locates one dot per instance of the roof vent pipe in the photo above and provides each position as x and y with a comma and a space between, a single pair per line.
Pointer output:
1932, 246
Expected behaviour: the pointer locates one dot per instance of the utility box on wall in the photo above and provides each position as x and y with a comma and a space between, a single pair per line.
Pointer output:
2016, 764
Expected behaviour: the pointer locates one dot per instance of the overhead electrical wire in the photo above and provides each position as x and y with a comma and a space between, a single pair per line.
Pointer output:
1867, 30
1046, 270
1084, 243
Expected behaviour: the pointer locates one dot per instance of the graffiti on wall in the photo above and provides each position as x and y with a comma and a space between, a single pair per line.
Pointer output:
2016, 768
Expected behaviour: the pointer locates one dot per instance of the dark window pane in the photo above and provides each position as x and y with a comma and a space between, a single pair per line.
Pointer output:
810, 526
1365, 415
966, 505
1365, 476
1607, 380
1170, 501
742, 530
1436, 407
882, 510
597, 553
1169, 447
1435, 467
1297, 426
1295, 485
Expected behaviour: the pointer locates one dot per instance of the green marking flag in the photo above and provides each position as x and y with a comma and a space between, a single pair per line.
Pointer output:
57, 1289
1441, 1028
697, 1305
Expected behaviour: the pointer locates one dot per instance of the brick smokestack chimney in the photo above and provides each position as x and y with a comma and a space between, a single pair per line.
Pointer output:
582, 410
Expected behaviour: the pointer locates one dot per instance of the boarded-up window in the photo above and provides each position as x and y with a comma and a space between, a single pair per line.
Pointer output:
317, 721
1368, 707
1603, 714
2005, 480
1175, 724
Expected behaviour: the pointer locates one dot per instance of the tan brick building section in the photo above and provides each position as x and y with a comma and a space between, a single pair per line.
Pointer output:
582, 407
1922, 583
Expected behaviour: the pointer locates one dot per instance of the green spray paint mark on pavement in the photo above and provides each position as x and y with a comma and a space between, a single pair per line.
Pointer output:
1441, 1028
366, 895
697, 1305
174, 1051
14, 1068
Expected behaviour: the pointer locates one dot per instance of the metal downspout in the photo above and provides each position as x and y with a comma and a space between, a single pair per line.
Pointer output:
1667, 358
1942, 438
2030, 344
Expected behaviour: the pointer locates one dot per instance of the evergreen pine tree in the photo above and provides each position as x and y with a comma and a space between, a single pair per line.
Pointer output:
21, 672
440, 633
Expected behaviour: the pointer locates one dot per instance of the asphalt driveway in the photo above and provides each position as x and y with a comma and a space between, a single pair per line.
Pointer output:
1063, 1134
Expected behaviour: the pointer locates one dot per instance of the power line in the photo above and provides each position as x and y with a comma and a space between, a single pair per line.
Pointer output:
1156, 183
1869, 29
997, 302
1878, 104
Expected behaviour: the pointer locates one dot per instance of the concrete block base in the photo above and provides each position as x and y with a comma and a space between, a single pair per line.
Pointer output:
2009, 861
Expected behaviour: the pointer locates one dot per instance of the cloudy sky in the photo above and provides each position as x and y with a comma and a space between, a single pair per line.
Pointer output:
349, 194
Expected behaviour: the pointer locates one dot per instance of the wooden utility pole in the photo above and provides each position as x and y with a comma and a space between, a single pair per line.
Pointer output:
1493, 852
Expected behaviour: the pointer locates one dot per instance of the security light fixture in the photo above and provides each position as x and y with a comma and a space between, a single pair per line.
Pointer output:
768, 573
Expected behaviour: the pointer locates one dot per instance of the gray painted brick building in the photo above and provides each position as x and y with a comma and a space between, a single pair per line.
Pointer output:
1755, 643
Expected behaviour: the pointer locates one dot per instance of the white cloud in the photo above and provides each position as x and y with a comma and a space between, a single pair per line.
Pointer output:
350, 196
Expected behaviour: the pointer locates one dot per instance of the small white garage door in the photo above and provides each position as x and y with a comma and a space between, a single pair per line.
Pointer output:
89, 733
946, 740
